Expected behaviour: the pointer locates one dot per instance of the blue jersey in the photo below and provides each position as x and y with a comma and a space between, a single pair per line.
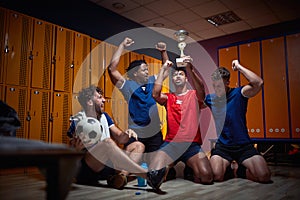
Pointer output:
230, 117
143, 115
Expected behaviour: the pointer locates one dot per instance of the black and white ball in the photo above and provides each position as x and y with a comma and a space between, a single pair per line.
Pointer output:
89, 131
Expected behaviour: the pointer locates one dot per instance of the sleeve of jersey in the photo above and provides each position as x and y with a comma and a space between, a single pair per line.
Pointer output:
71, 129
207, 100
125, 89
109, 120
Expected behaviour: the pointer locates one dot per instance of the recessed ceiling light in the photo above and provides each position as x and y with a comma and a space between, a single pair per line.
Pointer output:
158, 24
118, 5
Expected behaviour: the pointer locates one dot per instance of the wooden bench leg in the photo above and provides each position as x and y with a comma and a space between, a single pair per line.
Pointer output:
59, 177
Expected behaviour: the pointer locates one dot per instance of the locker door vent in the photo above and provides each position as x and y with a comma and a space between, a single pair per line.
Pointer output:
68, 60
21, 113
23, 79
44, 118
47, 57
65, 118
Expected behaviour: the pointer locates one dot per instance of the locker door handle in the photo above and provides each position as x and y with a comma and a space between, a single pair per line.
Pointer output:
51, 117
54, 60
6, 49
30, 56
28, 117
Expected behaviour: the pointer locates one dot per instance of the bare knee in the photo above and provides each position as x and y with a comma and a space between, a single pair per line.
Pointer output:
139, 147
206, 177
265, 177
218, 176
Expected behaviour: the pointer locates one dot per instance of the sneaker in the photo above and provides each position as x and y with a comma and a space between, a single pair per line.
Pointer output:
117, 181
188, 173
171, 174
156, 177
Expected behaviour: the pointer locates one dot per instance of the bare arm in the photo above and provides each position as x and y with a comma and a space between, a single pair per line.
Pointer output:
162, 47
115, 76
156, 92
255, 82
196, 81
120, 136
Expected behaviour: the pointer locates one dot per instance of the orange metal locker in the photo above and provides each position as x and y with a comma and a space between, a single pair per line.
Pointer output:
293, 57
97, 63
18, 42
75, 105
17, 97
42, 54
135, 56
226, 55
60, 117
124, 62
108, 86
108, 106
3, 15
121, 112
63, 70
275, 88
81, 62
119, 104
39, 114
249, 56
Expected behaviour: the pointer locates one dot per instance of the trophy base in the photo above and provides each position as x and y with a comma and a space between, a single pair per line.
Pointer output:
180, 63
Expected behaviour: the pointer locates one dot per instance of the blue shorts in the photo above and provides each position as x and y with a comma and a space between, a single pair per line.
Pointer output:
239, 153
181, 151
151, 144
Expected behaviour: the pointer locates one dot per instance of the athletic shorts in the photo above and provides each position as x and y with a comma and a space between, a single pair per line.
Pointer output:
239, 153
181, 151
151, 144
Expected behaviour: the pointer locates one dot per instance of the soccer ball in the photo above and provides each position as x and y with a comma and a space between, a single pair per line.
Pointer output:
89, 131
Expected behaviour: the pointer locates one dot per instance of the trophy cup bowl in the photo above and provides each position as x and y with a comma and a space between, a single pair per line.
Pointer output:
181, 37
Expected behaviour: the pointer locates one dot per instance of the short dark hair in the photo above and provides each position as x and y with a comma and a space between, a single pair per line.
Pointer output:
221, 73
132, 68
175, 68
87, 94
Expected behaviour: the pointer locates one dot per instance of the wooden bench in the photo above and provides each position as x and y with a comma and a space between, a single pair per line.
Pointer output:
59, 162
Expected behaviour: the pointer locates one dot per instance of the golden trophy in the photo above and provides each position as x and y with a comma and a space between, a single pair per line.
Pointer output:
181, 36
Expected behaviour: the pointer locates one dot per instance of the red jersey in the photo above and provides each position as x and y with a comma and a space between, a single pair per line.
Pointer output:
183, 118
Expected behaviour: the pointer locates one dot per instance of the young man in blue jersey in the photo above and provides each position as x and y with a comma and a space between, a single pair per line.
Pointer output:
229, 106
104, 158
143, 115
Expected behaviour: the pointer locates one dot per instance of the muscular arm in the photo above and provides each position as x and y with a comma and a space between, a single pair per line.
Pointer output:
255, 82
115, 76
196, 81
156, 92
120, 136
162, 47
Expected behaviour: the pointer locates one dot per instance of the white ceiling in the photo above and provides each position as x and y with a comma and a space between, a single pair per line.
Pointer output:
190, 14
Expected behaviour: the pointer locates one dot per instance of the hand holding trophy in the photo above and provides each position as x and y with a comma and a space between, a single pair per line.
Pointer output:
181, 36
